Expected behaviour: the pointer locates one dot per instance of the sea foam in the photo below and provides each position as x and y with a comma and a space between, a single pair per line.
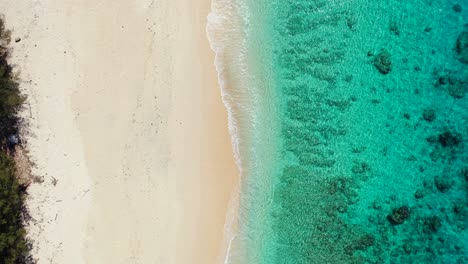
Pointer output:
249, 97
224, 31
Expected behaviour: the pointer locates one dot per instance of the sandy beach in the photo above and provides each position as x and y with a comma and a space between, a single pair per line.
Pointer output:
126, 128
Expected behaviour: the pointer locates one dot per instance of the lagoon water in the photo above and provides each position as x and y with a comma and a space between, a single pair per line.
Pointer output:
350, 123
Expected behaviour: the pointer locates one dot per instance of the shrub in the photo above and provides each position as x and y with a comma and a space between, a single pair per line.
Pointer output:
14, 247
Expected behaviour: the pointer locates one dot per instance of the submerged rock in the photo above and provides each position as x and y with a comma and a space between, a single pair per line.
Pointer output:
449, 139
464, 173
394, 28
409, 248
351, 22
457, 90
382, 62
457, 8
399, 215
459, 208
432, 224
419, 194
342, 208
360, 244
454, 82
461, 47
443, 183
429, 115
443, 80
360, 167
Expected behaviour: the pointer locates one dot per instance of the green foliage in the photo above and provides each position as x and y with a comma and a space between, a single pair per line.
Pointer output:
10, 97
13, 244
14, 247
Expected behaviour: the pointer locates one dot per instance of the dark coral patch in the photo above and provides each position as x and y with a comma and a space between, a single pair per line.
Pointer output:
383, 62
399, 215
461, 47
449, 139
429, 115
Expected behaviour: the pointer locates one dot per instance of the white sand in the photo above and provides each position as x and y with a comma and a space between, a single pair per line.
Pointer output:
126, 114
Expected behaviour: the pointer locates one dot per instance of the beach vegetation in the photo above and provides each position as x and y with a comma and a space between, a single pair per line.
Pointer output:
14, 245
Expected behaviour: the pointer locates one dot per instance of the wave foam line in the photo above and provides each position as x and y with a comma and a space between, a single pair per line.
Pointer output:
225, 34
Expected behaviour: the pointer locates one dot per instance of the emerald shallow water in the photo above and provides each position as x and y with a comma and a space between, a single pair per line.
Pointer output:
353, 135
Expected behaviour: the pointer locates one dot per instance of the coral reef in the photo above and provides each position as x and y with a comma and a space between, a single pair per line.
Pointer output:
399, 215
383, 62
429, 114
461, 47
373, 142
449, 139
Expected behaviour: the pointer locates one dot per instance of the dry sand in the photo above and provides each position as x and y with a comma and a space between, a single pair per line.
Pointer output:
126, 115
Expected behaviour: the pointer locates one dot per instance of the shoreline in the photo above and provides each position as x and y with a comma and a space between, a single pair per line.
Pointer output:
248, 96
131, 125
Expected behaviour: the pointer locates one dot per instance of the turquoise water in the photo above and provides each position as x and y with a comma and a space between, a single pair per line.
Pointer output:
353, 136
